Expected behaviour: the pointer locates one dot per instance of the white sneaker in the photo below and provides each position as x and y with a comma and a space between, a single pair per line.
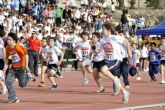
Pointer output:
85, 81
138, 78
127, 87
117, 84
116, 93
100, 89
162, 82
125, 97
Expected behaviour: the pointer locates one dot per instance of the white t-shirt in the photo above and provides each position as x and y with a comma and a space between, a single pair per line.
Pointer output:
85, 48
144, 52
53, 53
137, 54
98, 56
162, 50
111, 49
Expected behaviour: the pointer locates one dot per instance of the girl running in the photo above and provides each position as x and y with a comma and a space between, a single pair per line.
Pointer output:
85, 62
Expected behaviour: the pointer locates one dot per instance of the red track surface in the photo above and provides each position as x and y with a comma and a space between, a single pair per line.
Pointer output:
71, 95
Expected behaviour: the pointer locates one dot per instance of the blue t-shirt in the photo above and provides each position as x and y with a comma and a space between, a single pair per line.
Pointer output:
154, 57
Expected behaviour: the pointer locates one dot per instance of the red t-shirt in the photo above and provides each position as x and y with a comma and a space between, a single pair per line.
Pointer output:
34, 44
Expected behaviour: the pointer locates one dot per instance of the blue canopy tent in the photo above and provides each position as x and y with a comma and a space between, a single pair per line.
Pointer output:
156, 30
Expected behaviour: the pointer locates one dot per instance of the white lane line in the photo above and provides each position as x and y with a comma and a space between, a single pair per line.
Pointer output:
140, 107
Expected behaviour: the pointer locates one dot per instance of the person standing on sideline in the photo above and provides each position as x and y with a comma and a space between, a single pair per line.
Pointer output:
19, 66
33, 52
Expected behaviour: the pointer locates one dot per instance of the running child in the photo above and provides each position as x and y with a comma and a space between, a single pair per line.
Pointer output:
85, 60
53, 62
43, 59
154, 62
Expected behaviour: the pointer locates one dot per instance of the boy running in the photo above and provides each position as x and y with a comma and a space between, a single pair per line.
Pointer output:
19, 66
154, 62
43, 59
53, 62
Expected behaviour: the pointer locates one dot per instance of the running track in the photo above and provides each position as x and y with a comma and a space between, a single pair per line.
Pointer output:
71, 95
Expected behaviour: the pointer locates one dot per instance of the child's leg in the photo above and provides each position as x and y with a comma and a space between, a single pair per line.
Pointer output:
51, 76
2, 82
97, 77
117, 83
83, 69
43, 69
151, 72
43, 73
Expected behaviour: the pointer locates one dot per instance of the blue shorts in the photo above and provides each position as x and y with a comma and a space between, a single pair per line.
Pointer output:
154, 68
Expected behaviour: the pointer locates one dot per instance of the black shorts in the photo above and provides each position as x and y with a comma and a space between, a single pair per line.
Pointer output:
52, 66
162, 62
98, 65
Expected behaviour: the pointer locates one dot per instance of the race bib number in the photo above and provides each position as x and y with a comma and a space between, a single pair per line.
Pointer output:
15, 58
152, 58
85, 53
108, 49
50, 56
109, 56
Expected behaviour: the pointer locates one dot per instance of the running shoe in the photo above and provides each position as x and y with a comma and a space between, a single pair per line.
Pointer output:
138, 78
116, 93
125, 97
162, 82
16, 100
100, 89
127, 87
54, 88
85, 81
42, 84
